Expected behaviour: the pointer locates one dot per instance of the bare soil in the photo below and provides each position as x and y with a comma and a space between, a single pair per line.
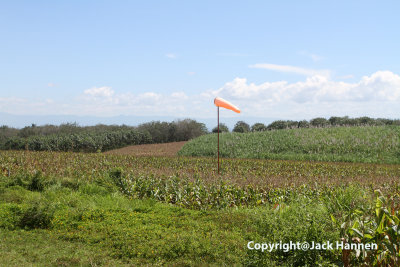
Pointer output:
165, 150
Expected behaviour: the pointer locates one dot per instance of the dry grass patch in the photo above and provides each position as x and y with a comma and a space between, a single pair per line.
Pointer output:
165, 150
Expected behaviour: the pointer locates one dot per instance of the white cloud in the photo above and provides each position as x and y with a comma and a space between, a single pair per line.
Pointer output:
291, 69
99, 91
148, 97
51, 85
380, 86
376, 95
191, 73
240, 89
107, 102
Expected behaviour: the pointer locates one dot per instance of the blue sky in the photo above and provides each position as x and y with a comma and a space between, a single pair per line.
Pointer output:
281, 59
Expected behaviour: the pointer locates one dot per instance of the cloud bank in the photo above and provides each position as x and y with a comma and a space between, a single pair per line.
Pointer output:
380, 86
377, 95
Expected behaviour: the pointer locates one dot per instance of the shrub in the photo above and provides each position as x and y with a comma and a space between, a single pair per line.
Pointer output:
241, 127
319, 122
222, 128
179, 130
276, 125
37, 182
187, 129
38, 215
10, 214
117, 177
303, 124
258, 127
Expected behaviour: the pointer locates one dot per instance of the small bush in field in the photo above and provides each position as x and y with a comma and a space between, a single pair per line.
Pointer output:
37, 182
39, 215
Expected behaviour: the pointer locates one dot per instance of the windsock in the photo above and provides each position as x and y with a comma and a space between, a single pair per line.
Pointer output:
219, 102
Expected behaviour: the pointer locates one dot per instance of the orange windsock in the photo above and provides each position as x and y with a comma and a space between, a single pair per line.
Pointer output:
219, 102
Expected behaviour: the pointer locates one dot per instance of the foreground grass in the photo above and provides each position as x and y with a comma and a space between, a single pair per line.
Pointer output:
60, 226
43, 248
372, 144
84, 226
64, 222
92, 209
64, 227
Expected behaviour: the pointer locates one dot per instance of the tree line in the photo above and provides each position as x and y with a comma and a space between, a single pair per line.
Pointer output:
243, 127
72, 137
98, 138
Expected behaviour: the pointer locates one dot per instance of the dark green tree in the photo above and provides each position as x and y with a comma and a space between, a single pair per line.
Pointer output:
277, 125
303, 124
258, 127
187, 129
319, 122
241, 127
222, 128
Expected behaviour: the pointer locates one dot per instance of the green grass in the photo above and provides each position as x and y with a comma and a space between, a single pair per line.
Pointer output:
93, 224
109, 229
43, 248
372, 144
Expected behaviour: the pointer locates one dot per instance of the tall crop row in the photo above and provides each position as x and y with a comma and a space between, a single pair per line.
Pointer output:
372, 144
79, 142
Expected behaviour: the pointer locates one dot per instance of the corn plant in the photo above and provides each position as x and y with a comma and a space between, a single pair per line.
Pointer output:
383, 229
378, 225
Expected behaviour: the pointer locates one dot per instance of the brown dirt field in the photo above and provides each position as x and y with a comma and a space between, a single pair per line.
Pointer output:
165, 150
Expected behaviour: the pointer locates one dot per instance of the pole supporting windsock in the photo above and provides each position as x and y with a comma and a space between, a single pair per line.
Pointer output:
218, 139
219, 102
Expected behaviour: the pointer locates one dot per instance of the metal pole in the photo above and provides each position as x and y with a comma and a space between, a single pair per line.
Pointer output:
218, 140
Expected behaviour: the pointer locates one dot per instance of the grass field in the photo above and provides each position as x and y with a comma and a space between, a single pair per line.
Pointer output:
105, 209
370, 144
